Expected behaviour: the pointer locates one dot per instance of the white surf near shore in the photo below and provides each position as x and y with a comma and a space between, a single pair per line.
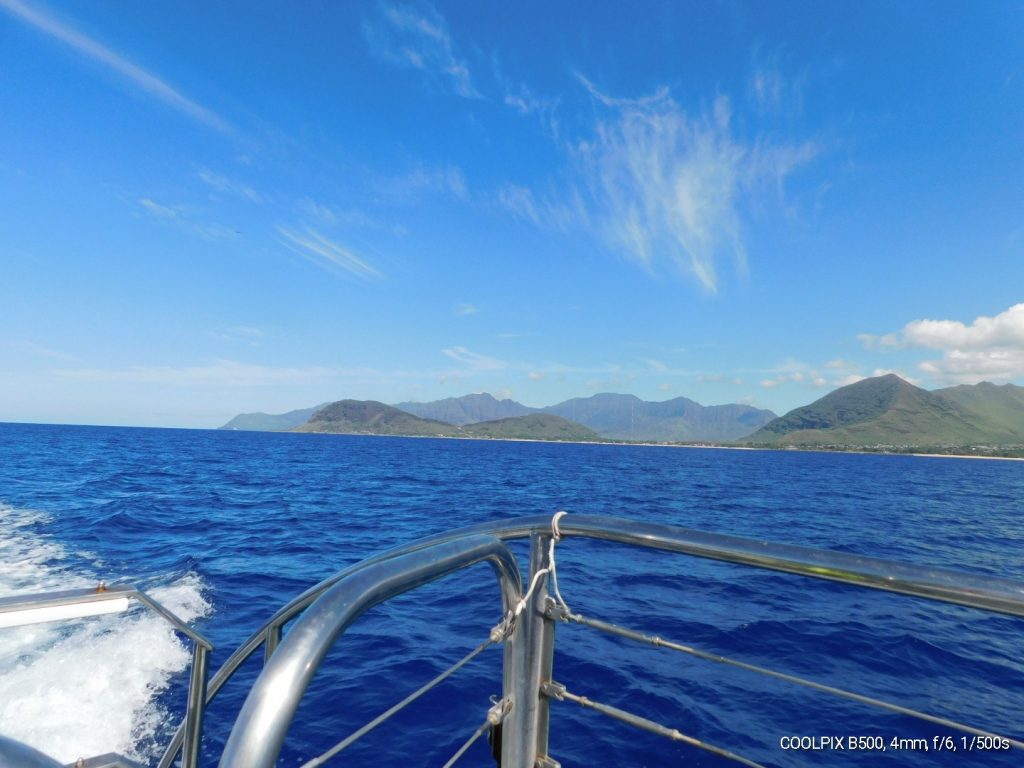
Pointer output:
90, 686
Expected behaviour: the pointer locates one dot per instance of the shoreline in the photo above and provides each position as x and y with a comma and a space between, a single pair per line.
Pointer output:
647, 444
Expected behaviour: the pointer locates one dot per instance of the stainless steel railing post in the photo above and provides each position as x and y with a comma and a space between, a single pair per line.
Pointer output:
256, 738
195, 708
273, 639
529, 658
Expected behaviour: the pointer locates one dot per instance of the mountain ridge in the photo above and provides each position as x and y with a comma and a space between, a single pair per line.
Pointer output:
612, 416
879, 413
890, 411
362, 417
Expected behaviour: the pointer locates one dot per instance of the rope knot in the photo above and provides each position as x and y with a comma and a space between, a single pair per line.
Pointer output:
555, 532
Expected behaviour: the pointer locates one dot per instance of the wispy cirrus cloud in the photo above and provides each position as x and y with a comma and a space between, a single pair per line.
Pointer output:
543, 211
464, 309
421, 180
230, 186
988, 348
179, 216
417, 37
160, 211
149, 83
671, 186
524, 101
326, 254
473, 360
661, 185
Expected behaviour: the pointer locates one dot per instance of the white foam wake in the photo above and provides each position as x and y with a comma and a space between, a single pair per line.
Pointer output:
91, 686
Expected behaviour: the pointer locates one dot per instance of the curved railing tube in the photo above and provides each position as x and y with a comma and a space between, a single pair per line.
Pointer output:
976, 591
259, 731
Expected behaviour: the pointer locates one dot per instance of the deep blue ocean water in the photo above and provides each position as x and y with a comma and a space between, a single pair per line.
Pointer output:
227, 526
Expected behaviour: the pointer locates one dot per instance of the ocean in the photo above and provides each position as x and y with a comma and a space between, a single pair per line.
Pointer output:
225, 527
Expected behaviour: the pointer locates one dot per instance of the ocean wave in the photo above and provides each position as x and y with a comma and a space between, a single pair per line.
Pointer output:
89, 686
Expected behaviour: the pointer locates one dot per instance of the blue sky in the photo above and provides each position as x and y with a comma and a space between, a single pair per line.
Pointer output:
211, 208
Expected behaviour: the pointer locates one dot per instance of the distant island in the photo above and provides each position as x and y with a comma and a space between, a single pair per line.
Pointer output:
354, 417
608, 416
884, 413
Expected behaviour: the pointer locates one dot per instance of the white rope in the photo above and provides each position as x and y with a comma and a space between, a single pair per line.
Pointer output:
556, 535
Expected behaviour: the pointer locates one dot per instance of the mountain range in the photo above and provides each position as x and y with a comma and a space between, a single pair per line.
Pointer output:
609, 416
372, 417
269, 422
887, 411
880, 413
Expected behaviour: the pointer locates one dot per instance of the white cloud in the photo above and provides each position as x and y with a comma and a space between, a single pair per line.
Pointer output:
789, 377
872, 342
224, 184
146, 81
326, 253
445, 179
473, 360
970, 367
767, 87
160, 211
418, 38
670, 186
523, 101
851, 378
179, 216
535, 376
902, 374
1005, 330
654, 364
466, 309
989, 348
544, 212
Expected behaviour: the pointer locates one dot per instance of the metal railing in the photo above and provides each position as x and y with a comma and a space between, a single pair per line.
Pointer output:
325, 611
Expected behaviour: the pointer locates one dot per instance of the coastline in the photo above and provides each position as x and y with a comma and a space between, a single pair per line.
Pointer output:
648, 444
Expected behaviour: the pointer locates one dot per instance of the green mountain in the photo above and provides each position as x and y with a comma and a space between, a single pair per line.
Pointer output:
468, 409
611, 416
888, 411
627, 417
999, 410
534, 426
269, 422
368, 417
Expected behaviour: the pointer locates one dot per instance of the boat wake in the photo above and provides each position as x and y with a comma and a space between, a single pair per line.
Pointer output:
91, 686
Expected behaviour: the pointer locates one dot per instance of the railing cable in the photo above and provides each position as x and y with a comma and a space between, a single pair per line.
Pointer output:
494, 716
659, 642
496, 636
558, 692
